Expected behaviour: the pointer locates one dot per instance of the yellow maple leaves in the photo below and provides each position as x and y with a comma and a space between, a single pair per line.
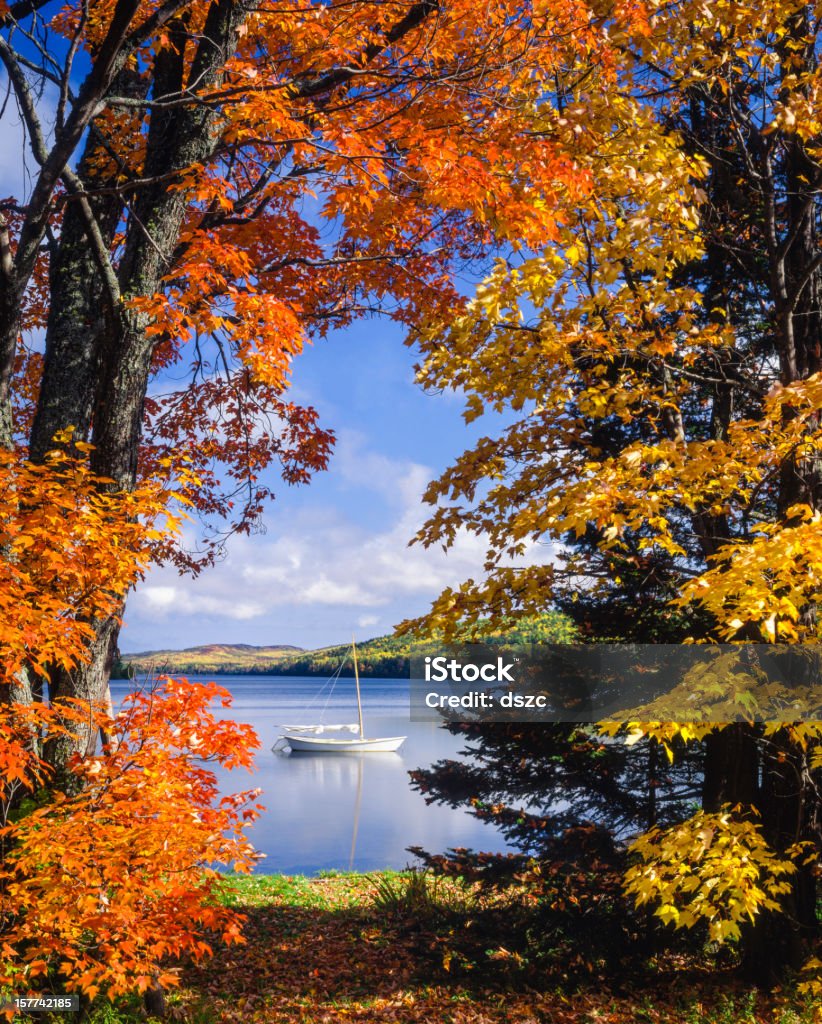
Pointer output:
663, 424
715, 868
608, 353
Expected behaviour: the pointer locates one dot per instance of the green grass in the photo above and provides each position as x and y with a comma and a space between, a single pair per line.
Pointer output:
325, 891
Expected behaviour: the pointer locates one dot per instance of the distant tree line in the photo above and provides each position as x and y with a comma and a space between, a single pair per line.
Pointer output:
384, 657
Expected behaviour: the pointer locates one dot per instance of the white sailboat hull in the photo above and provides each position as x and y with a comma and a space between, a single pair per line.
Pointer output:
356, 745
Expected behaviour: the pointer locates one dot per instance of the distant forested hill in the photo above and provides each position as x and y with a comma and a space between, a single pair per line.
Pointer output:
217, 658
384, 656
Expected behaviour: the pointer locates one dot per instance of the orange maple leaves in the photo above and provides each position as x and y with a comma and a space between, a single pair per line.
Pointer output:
100, 886
71, 550
97, 889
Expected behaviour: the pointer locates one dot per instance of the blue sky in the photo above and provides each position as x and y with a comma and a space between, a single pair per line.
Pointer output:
334, 558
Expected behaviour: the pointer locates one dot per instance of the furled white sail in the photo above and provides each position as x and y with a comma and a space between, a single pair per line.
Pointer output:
317, 729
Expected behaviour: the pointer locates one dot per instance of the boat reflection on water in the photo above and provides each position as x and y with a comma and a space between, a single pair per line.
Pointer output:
340, 771
343, 774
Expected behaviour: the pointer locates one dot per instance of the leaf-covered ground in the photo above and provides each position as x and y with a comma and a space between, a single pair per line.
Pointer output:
321, 951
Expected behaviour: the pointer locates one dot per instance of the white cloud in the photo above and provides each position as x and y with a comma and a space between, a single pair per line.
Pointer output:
183, 599
323, 563
372, 471
330, 591
159, 597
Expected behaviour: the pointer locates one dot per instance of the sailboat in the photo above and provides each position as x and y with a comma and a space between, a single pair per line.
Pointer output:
314, 738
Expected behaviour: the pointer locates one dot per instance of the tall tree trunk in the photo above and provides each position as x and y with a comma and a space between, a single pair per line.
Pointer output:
731, 768
796, 282
70, 386
98, 366
78, 309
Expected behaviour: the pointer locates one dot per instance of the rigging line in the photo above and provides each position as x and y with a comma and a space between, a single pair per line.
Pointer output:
332, 681
335, 678
315, 699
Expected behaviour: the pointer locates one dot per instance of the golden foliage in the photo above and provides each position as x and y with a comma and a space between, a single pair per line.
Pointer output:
715, 868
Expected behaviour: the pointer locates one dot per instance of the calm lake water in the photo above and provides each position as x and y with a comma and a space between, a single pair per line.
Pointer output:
341, 811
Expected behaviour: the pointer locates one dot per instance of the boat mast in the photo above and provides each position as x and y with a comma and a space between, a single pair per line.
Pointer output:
357, 683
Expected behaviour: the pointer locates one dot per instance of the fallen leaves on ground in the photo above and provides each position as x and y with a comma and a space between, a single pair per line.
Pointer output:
318, 952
